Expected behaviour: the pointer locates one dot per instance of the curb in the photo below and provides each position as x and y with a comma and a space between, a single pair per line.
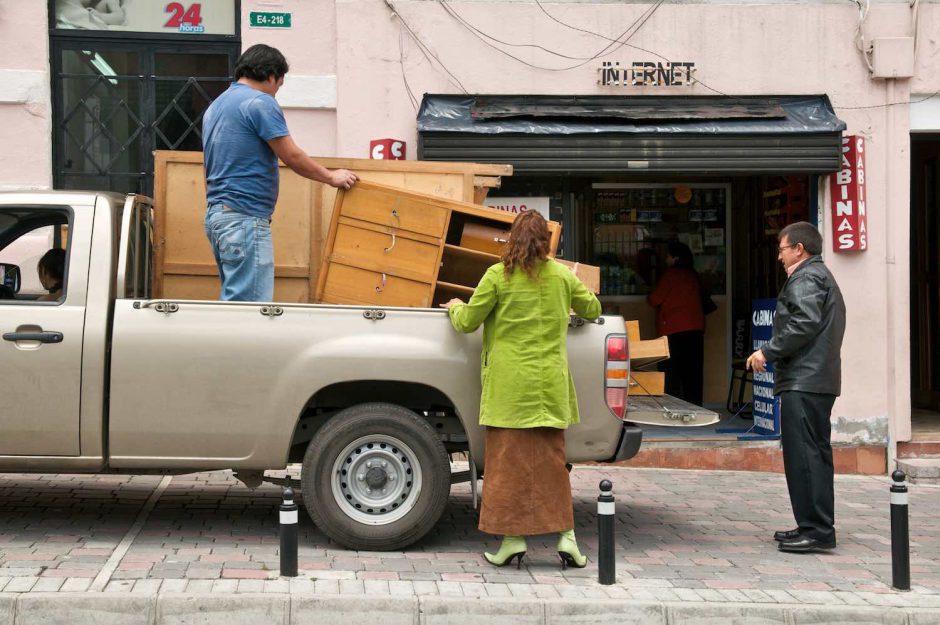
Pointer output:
298, 609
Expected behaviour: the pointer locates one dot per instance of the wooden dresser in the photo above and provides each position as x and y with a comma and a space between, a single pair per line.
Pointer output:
391, 247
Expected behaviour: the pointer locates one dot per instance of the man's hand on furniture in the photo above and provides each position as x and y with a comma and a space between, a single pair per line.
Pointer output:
343, 178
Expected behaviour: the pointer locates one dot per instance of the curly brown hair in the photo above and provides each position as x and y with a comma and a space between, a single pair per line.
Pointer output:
529, 243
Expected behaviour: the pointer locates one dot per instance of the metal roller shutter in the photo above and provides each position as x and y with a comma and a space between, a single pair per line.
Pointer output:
797, 135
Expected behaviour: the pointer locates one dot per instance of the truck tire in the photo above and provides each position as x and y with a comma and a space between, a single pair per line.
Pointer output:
375, 477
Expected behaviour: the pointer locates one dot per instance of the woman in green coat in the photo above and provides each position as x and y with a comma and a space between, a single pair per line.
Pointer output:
528, 397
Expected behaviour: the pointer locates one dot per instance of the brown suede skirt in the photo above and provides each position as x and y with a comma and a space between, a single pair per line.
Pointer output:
526, 489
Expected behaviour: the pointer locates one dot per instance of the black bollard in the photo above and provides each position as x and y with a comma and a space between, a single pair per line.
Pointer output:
900, 534
288, 519
606, 567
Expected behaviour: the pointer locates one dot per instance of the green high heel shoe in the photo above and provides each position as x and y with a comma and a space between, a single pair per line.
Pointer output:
568, 551
512, 547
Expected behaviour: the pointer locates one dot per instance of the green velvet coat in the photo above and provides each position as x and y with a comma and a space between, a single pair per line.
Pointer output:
524, 364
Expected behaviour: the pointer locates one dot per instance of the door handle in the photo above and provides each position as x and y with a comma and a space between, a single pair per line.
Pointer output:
42, 337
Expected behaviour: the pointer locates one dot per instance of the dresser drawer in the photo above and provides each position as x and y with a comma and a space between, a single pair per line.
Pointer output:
483, 238
351, 285
406, 258
395, 212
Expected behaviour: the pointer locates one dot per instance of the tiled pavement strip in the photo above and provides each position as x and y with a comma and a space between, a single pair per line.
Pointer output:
683, 538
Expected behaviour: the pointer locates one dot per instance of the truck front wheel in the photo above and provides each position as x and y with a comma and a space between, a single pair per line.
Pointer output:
375, 477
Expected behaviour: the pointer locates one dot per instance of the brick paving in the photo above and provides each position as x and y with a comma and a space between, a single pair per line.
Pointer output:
682, 536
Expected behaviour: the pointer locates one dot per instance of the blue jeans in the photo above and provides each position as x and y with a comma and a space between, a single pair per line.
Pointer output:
244, 254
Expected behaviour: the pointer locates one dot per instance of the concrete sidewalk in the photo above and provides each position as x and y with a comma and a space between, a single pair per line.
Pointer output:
693, 547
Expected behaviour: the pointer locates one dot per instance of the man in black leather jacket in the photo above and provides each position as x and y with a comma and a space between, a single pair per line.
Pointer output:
809, 324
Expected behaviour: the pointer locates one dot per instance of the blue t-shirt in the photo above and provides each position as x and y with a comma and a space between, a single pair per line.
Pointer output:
241, 168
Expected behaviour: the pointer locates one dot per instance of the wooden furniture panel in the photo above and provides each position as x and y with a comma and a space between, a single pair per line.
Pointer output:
292, 228
198, 287
397, 213
301, 220
464, 266
351, 285
649, 351
449, 186
380, 252
184, 235
647, 383
590, 275
360, 231
484, 238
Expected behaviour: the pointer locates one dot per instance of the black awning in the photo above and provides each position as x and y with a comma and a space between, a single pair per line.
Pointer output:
607, 134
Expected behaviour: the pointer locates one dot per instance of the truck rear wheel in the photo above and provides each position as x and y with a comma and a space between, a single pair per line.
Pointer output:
375, 477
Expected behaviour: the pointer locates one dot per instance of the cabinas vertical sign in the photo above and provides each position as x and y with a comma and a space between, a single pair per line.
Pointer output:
766, 407
847, 188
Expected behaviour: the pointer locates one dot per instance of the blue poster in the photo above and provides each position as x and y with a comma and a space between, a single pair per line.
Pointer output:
766, 407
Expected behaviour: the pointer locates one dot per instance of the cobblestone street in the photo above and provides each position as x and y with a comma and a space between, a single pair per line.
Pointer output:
682, 536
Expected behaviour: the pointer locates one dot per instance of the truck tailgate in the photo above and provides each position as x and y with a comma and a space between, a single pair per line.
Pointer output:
666, 410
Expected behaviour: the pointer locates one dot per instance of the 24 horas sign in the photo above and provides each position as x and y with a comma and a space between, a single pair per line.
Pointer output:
213, 17
848, 197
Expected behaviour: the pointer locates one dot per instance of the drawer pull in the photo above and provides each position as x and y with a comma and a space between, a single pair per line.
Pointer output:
500, 240
381, 287
397, 225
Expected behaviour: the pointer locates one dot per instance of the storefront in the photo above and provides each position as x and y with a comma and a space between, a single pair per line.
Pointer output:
626, 175
129, 78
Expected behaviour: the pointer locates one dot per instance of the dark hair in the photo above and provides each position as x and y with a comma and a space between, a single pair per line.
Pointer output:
260, 61
681, 252
805, 233
53, 263
529, 242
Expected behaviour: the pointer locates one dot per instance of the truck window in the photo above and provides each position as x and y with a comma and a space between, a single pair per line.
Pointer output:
139, 274
28, 237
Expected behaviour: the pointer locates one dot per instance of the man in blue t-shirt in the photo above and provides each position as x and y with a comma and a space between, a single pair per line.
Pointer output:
243, 135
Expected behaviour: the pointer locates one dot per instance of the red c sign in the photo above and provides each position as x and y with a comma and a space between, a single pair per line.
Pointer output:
387, 149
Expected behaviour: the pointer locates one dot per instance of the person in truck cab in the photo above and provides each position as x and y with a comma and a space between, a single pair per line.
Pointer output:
243, 135
51, 269
528, 396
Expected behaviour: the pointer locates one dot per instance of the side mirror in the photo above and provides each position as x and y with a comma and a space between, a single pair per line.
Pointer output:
10, 275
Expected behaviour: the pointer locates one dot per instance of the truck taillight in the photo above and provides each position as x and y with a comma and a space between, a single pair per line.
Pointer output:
617, 374
617, 347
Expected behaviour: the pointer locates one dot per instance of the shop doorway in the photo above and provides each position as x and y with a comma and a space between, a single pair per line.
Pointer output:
117, 100
925, 286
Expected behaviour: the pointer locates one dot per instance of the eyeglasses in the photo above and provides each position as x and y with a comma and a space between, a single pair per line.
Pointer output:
783, 247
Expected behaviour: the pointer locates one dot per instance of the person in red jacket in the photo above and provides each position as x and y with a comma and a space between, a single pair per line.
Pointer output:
679, 316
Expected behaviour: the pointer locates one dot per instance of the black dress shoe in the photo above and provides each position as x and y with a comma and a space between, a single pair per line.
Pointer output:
786, 535
805, 544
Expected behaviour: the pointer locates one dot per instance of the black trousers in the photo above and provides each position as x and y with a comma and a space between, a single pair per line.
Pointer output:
807, 461
684, 368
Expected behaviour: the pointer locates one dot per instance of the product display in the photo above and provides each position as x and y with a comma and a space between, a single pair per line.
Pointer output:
633, 223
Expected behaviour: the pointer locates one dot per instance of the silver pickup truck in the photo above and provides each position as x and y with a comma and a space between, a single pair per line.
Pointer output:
372, 401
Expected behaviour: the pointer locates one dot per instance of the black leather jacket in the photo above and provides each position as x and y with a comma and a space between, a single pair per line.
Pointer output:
808, 329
